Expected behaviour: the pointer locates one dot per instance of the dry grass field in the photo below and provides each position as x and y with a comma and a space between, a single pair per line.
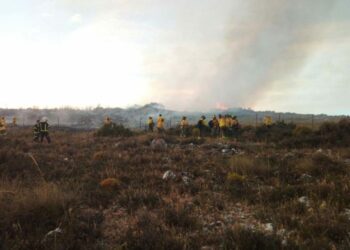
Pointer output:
257, 192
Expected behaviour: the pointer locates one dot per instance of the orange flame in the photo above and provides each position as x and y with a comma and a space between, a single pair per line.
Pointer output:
221, 106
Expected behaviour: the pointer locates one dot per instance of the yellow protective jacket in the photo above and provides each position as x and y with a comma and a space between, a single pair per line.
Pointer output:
160, 122
222, 122
228, 122
267, 121
2, 124
150, 121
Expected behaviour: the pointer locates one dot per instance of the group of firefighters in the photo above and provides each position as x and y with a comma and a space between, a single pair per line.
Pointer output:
224, 125
3, 124
40, 129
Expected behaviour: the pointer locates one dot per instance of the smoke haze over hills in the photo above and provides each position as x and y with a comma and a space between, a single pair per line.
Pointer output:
136, 117
197, 55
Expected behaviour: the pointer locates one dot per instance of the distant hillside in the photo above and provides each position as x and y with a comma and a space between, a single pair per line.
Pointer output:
136, 116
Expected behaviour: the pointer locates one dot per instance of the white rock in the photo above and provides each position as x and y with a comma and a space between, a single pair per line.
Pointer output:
226, 151
319, 151
284, 242
169, 175
304, 200
186, 180
347, 213
268, 227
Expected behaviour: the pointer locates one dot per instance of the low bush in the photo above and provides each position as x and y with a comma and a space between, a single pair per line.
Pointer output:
114, 130
302, 131
320, 165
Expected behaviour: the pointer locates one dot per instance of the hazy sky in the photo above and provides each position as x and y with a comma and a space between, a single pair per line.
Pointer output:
186, 54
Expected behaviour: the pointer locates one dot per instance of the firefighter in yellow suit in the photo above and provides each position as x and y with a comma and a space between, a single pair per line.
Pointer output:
222, 125
160, 124
2, 126
268, 121
14, 121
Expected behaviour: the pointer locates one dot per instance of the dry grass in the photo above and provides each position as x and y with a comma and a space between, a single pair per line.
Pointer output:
28, 213
108, 193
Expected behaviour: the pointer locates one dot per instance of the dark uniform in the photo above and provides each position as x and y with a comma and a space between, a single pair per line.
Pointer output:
44, 131
150, 124
201, 126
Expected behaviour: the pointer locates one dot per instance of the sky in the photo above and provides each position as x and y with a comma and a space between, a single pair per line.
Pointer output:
188, 55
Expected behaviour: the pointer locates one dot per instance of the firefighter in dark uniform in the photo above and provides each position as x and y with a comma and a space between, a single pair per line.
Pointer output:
44, 130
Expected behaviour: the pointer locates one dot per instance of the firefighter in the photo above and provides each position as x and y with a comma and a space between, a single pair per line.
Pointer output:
201, 124
14, 121
268, 121
44, 130
222, 125
108, 121
36, 131
160, 124
150, 123
235, 126
2, 126
229, 125
214, 125
183, 126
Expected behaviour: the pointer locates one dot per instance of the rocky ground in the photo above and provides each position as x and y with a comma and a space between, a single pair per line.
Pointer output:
146, 192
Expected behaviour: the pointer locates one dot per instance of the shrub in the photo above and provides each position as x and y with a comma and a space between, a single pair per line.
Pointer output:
302, 131
235, 179
110, 183
114, 130
276, 132
320, 165
249, 166
335, 133
100, 156
237, 185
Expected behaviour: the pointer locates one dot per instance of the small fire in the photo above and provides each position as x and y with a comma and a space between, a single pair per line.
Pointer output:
221, 106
